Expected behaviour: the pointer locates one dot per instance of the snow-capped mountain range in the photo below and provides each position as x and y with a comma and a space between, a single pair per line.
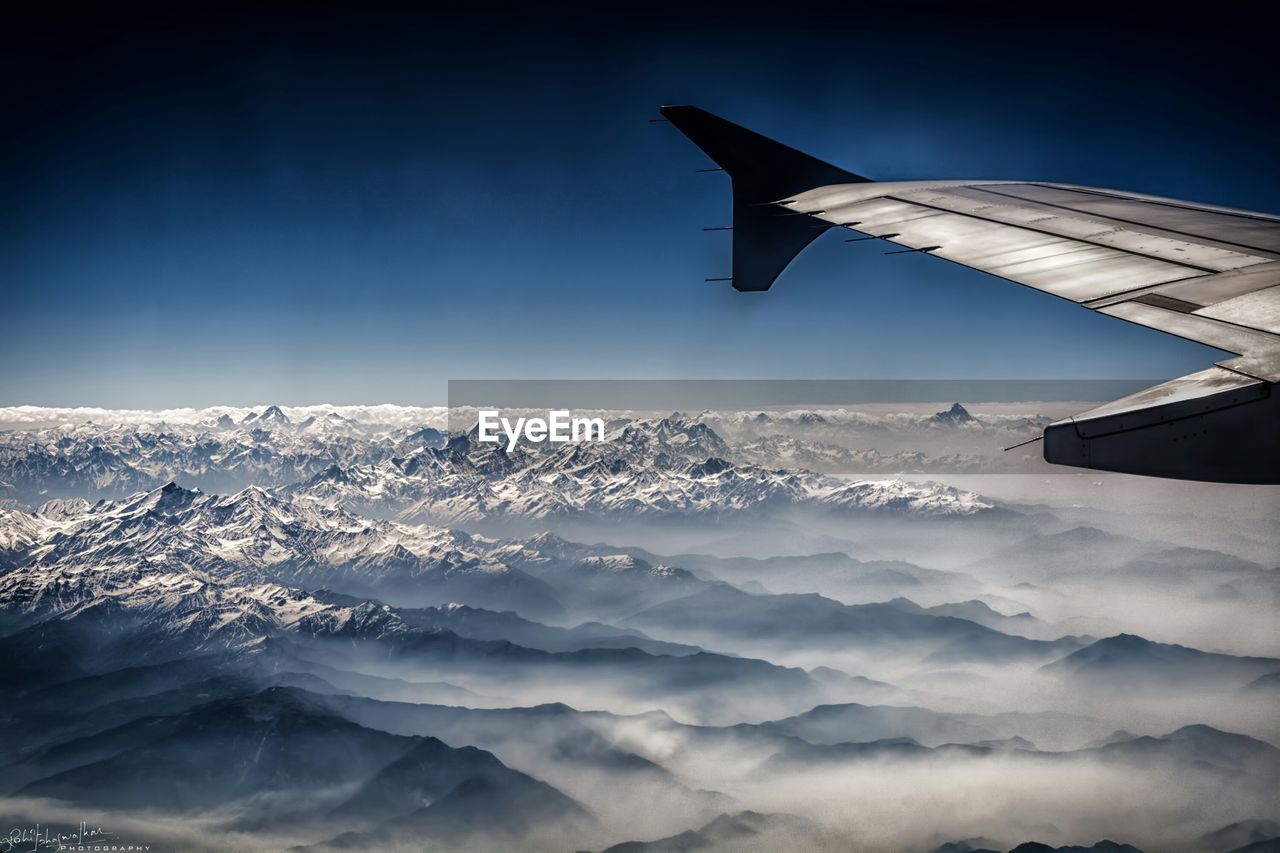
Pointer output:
956, 416
223, 454
236, 565
240, 563
792, 451
669, 467
175, 573
384, 416
356, 511
198, 568
646, 468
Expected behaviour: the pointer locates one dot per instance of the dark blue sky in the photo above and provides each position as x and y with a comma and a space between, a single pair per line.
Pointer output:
358, 203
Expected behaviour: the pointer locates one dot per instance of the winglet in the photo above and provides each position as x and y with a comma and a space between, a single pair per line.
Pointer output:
763, 171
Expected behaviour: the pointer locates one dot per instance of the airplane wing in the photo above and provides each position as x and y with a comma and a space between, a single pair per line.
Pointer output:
1202, 272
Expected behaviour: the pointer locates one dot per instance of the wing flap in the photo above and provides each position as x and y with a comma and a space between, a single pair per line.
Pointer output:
988, 203
1260, 309
1211, 289
1059, 265
1250, 231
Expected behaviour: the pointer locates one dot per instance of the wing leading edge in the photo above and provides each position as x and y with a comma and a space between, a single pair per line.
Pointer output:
1202, 272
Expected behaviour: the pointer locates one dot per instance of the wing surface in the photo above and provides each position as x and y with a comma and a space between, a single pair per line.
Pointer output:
1207, 273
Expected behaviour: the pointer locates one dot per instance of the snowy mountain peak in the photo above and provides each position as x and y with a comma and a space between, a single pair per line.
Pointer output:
62, 508
547, 541
710, 467
957, 414
274, 415
924, 498
167, 499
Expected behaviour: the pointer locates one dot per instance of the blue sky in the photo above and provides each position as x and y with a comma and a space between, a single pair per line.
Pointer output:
235, 208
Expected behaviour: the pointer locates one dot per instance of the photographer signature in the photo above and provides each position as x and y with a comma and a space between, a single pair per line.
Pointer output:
46, 839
